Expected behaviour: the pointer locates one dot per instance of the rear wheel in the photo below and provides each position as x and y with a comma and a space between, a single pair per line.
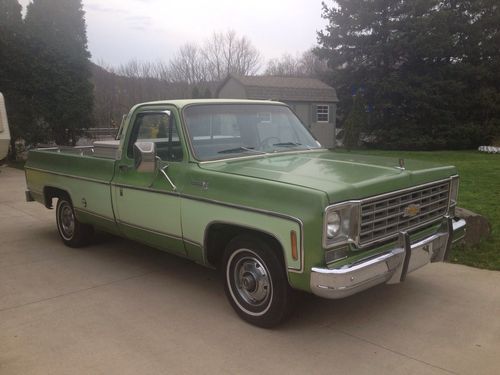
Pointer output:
256, 283
72, 232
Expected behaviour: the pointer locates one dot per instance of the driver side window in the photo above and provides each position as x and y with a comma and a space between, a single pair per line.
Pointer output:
161, 129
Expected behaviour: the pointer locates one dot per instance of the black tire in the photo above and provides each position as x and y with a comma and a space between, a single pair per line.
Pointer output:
255, 282
72, 232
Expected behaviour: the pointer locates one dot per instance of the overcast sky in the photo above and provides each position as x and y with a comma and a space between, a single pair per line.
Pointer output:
120, 30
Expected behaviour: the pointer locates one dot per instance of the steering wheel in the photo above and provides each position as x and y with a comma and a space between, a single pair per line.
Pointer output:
266, 142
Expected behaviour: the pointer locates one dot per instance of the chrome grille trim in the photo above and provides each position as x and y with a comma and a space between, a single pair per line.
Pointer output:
382, 217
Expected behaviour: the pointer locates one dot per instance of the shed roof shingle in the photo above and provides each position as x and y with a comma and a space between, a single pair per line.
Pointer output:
286, 88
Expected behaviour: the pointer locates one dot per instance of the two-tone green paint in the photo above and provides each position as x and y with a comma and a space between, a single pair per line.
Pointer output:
273, 194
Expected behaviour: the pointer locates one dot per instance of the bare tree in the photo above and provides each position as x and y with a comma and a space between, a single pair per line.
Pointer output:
286, 65
246, 59
227, 53
189, 73
312, 65
188, 65
161, 71
307, 64
213, 53
131, 69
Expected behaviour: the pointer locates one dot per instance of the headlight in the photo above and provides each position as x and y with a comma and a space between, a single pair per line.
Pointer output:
332, 224
341, 224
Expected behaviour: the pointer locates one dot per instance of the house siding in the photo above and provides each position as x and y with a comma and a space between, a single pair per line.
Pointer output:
303, 112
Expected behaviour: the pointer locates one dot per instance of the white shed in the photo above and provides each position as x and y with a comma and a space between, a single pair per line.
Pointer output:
314, 102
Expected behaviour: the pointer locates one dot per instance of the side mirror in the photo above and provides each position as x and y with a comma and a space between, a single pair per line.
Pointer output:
145, 157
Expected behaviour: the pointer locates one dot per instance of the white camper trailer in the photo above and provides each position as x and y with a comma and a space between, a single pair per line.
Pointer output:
4, 130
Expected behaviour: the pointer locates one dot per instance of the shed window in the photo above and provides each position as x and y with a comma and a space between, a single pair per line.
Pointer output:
322, 113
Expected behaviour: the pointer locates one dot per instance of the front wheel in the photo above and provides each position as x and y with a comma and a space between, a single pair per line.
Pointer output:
72, 232
256, 283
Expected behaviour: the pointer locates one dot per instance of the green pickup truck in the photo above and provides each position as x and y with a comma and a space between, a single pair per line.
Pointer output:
243, 186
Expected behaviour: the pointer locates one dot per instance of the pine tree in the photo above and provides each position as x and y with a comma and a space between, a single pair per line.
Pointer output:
418, 63
355, 122
195, 93
207, 93
10, 15
64, 93
16, 75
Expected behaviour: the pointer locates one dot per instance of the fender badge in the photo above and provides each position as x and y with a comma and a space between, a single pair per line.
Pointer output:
202, 184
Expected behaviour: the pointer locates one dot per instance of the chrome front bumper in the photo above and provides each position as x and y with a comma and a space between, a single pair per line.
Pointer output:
389, 267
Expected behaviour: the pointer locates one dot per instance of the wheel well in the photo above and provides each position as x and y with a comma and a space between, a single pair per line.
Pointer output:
218, 235
50, 193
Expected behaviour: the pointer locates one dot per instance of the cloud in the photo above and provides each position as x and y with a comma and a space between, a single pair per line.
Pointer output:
95, 7
140, 23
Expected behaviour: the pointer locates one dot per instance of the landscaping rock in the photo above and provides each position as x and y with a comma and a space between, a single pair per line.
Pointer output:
478, 226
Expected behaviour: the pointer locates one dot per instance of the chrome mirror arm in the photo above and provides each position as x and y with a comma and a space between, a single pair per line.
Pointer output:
163, 171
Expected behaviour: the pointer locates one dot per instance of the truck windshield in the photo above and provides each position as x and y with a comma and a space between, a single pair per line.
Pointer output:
221, 131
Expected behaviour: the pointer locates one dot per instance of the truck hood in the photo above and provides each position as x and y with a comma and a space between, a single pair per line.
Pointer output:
342, 176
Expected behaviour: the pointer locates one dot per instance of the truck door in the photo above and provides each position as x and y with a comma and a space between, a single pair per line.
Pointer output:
147, 205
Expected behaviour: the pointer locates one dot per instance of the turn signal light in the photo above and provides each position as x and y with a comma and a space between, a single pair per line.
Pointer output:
293, 239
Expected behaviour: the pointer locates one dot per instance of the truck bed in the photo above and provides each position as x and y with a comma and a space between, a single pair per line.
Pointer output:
84, 172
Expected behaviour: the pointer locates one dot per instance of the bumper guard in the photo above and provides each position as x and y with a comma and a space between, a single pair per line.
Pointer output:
390, 267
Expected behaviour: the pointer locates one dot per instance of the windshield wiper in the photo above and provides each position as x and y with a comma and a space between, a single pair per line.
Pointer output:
240, 149
291, 144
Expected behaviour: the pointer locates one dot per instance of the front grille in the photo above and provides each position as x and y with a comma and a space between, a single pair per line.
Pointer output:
385, 216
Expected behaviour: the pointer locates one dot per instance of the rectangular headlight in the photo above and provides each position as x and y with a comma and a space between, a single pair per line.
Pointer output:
341, 224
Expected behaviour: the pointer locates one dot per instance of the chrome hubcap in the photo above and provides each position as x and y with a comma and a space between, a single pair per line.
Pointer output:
67, 220
252, 281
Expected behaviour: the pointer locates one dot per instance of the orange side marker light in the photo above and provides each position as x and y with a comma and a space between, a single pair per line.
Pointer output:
293, 239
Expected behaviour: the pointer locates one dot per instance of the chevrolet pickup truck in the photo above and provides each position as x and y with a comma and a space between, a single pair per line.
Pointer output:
243, 186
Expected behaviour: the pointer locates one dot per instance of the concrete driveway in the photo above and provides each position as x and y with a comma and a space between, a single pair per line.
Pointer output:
121, 308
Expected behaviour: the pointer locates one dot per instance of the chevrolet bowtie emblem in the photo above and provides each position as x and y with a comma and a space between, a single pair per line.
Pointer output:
412, 210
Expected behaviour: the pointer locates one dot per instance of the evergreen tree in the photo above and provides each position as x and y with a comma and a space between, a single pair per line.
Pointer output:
64, 93
207, 94
355, 122
10, 15
16, 74
426, 67
195, 93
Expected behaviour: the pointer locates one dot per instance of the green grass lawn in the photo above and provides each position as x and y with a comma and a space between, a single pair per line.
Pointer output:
479, 192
